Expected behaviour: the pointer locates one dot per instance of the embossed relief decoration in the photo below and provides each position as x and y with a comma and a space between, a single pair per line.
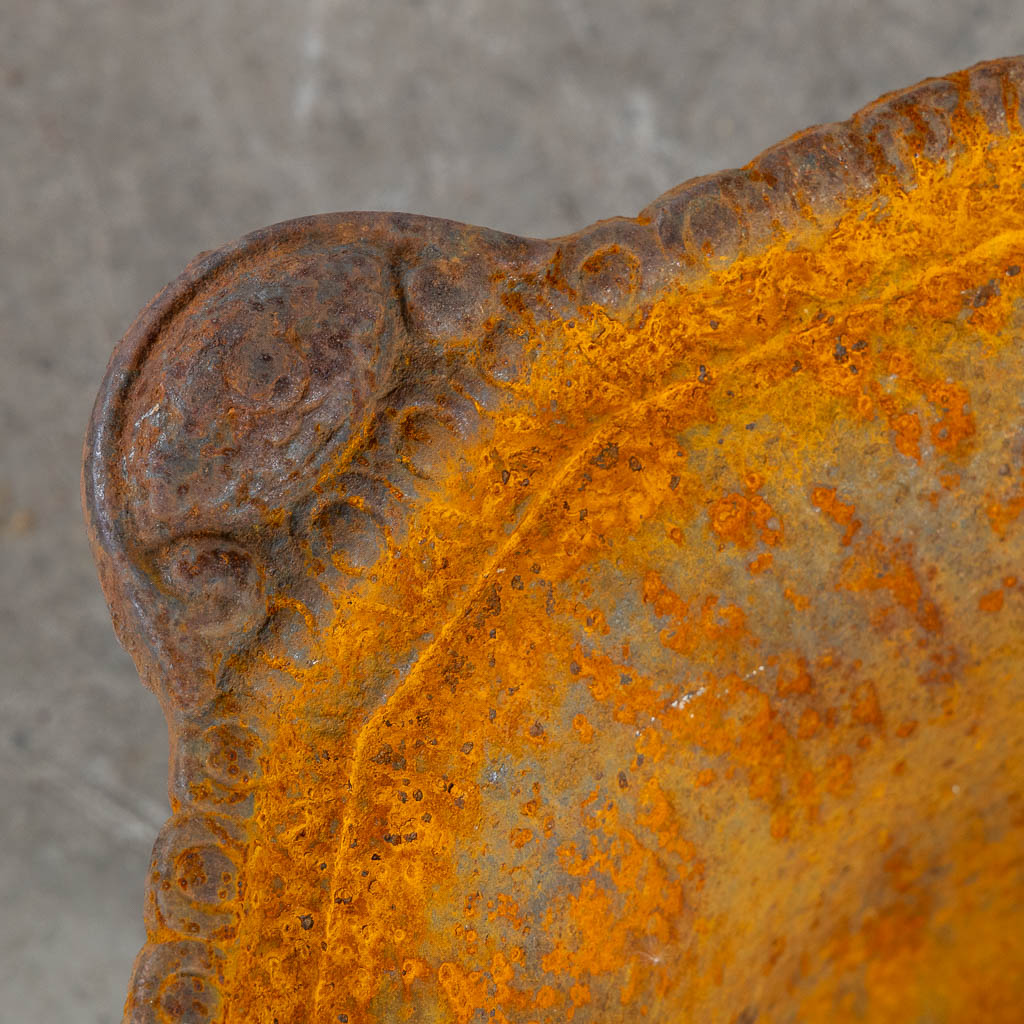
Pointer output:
623, 626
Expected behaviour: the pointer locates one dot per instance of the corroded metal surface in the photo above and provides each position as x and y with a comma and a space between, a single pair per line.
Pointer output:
623, 626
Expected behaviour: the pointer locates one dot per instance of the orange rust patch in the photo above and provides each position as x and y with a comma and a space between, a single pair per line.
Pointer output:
583, 728
889, 568
740, 519
906, 430
692, 627
843, 515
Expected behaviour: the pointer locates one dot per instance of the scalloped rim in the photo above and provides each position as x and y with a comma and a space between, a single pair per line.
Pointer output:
987, 90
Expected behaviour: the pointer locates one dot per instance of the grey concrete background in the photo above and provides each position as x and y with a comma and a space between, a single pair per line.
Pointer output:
134, 133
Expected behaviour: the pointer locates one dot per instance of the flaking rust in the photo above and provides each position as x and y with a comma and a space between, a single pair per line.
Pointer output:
621, 627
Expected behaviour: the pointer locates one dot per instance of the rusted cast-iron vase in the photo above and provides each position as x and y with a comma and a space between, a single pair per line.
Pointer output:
621, 627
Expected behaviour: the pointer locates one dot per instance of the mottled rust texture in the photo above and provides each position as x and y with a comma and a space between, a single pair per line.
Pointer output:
624, 626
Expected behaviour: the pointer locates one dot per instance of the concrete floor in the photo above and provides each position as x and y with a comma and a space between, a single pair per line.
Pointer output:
135, 133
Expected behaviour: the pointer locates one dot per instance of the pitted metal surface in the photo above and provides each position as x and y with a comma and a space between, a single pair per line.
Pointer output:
609, 627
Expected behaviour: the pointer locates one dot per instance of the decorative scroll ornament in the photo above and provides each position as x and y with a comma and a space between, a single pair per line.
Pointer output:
626, 626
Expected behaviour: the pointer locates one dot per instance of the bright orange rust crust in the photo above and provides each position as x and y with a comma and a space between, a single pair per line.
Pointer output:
685, 684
